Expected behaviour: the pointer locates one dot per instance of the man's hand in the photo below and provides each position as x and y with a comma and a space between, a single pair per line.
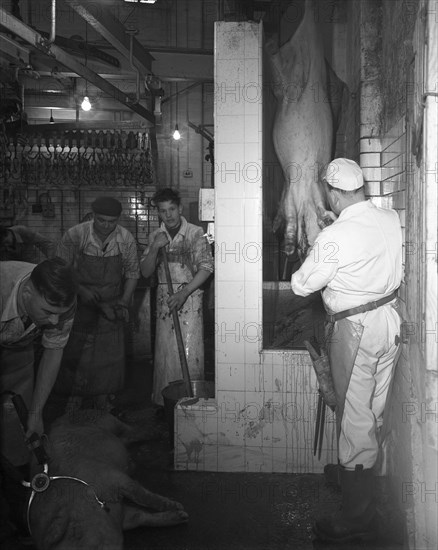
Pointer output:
177, 300
161, 240
325, 217
108, 310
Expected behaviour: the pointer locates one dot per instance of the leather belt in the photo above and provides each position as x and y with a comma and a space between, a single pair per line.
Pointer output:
361, 309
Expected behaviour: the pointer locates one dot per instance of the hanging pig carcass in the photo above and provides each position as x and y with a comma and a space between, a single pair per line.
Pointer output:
309, 103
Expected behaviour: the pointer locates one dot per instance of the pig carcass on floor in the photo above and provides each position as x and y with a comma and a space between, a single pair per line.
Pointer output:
91, 447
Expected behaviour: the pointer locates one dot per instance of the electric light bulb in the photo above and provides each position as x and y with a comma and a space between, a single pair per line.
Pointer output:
86, 105
176, 135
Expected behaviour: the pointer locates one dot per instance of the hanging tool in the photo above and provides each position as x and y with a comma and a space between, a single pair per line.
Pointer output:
326, 392
179, 340
317, 425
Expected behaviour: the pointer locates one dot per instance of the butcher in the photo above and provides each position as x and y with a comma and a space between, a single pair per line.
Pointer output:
104, 255
190, 264
357, 263
35, 301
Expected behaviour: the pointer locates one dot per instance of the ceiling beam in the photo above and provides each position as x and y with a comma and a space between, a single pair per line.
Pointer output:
13, 50
52, 50
115, 33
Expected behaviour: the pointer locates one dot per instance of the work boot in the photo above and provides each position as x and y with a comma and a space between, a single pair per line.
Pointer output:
355, 520
332, 474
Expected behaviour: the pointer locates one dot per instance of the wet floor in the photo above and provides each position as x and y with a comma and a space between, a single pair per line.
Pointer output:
227, 511
234, 510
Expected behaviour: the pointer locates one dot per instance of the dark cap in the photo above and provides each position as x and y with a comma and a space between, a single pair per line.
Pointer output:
107, 206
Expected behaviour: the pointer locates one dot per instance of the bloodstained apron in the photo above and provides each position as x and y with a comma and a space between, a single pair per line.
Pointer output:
342, 340
167, 364
94, 357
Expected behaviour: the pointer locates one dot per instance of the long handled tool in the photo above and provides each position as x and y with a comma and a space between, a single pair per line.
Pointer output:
179, 340
326, 396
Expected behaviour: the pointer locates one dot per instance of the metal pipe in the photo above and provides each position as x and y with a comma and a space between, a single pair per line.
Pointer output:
31, 36
131, 60
53, 23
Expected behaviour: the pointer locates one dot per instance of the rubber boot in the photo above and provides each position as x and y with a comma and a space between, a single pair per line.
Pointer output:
355, 521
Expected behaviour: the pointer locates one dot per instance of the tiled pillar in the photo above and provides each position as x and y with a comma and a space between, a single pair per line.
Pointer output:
238, 190
263, 416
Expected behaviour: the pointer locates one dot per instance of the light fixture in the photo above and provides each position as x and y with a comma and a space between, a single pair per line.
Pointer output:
142, 1
51, 121
85, 105
176, 135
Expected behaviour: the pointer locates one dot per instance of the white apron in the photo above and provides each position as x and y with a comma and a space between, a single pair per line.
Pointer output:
167, 365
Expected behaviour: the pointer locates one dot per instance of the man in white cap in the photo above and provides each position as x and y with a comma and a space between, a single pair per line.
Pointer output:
357, 263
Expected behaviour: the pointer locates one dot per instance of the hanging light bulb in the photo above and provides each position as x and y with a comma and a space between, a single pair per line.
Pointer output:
51, 121
176, 135
86, 105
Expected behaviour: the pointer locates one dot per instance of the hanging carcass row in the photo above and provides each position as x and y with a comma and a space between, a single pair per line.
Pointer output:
310, 99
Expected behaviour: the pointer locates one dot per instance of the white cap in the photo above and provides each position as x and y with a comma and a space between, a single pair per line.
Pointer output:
344, 174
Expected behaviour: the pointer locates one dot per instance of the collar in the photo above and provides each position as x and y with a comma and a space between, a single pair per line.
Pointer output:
354, 210
182, 228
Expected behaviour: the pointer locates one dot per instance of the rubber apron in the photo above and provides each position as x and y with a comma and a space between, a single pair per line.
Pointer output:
167, 366
342, 340
94, 358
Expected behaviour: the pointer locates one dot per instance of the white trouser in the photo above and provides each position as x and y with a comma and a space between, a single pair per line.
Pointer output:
368, 388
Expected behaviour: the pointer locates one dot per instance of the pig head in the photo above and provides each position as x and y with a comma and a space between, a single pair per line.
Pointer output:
309, 101
71, 515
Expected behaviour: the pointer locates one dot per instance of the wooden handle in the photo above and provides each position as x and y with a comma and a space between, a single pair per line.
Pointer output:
179, 340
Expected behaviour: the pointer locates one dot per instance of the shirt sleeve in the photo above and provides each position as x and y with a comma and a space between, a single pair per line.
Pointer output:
319, 267
201, 252
151, 239
131, 266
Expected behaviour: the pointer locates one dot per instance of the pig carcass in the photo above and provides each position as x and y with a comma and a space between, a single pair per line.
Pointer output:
92, 510
309, 104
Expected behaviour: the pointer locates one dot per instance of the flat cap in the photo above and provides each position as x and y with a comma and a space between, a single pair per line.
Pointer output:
107, 206
344, 174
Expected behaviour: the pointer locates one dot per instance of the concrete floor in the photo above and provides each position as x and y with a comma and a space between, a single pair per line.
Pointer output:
242, 511
233, 510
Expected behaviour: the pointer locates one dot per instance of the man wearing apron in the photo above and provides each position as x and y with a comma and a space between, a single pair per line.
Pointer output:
190, 264
357, 262
104, 256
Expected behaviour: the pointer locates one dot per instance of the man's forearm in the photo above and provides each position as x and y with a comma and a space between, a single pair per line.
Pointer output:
149, 262
128, 290
198, 280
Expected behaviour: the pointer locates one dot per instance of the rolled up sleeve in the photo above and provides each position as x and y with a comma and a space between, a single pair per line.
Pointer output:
202, 256
131, 266
318, 269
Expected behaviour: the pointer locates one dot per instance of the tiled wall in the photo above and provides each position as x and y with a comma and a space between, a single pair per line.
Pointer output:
70, 207
263, 416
